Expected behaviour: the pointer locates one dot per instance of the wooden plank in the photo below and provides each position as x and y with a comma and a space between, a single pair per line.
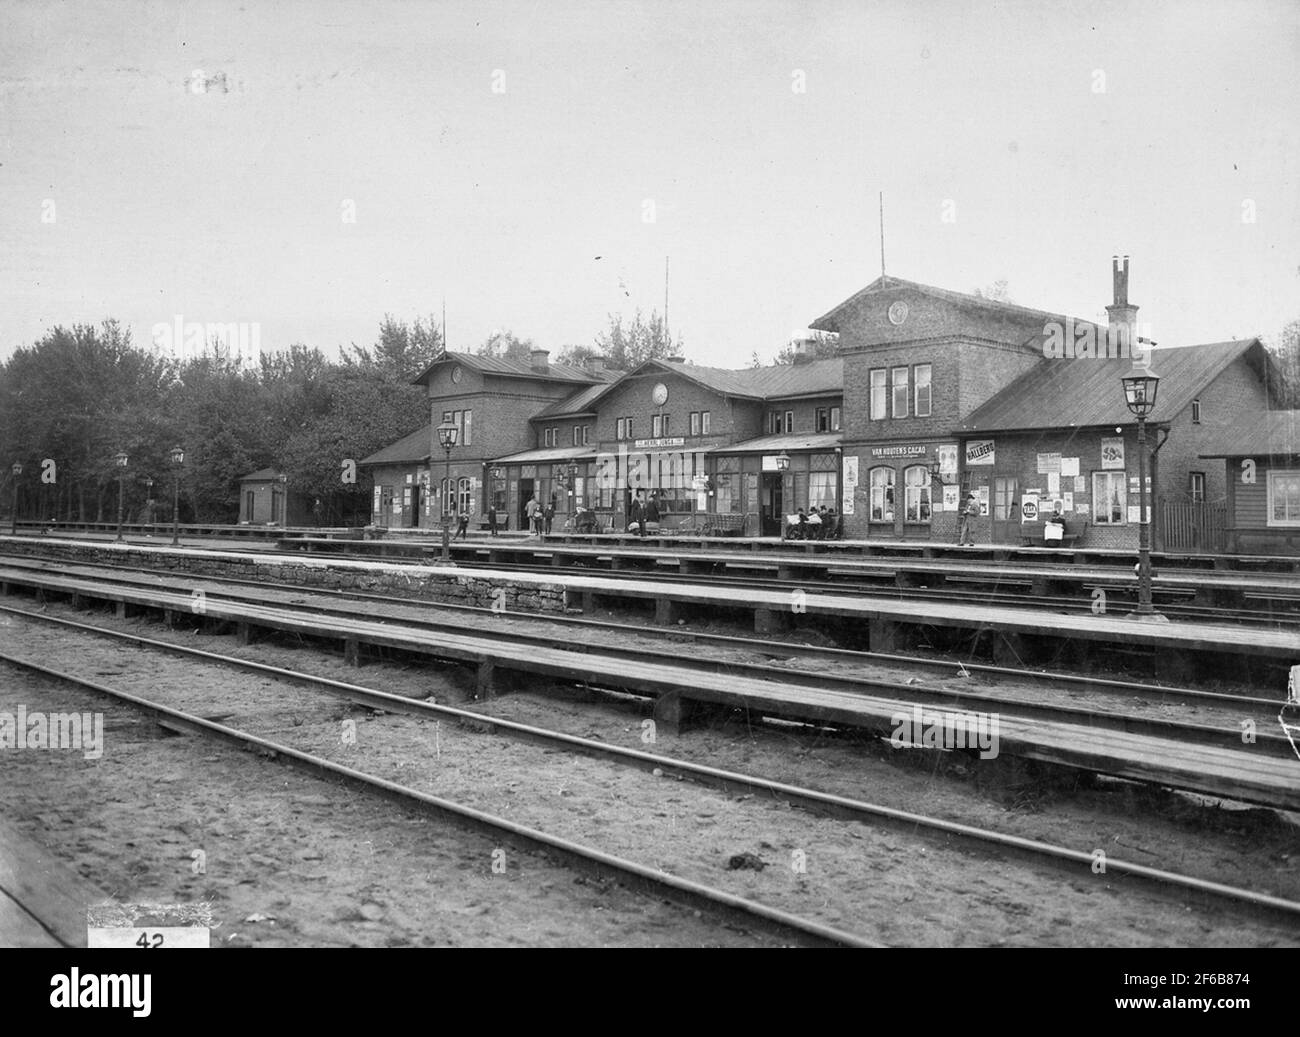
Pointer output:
45, 886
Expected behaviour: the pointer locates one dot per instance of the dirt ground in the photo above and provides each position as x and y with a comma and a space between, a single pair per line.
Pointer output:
901, 888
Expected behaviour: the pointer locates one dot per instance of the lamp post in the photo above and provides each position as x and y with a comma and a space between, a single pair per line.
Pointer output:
447, 435
17, 470
1140, 395
178, 459
121, 460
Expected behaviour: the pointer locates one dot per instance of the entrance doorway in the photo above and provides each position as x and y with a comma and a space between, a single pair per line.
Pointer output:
1005, 510
249, 498
525, 495
771, 504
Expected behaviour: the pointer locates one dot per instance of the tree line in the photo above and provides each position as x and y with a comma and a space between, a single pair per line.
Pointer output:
75, 399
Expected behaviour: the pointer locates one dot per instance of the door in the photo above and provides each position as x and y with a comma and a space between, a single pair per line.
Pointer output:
525, 495
413, 516
771, 506
249, 498
1005, 510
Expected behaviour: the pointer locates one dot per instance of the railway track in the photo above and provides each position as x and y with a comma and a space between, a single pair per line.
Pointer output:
1070, 861
419, 617
694, 894
1222, 772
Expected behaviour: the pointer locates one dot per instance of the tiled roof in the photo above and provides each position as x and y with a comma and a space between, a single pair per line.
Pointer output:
261, 475
413, 449
775, 444
774, 381
517, 369
1274, 433
1083, 393
550, 454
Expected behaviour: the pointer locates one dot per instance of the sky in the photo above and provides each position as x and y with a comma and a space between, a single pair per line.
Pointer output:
309, 167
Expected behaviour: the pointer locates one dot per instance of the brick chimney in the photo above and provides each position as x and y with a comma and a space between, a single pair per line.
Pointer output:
803, 349
595, 363
539, 360
1123, 315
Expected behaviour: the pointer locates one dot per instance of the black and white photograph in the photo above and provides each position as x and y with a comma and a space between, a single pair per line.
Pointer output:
611, 474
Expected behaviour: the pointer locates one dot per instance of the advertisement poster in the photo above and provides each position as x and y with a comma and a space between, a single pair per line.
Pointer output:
1067, 499
947, 453
1112, 454
1070, 466
951, 498
1049, 463
1029, 508
1053, 484
850, 484
982, 495
1080, 484
979, 452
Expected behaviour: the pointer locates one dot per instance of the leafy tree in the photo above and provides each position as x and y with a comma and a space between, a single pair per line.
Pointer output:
996, 292
825, 345
1285, 348
627, 345
506, 345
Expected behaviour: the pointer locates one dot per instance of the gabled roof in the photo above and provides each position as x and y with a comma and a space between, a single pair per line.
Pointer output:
579, 403
515, 369
1270, 433
776, 381
1086, 392
413, 449
830, 321
261, 475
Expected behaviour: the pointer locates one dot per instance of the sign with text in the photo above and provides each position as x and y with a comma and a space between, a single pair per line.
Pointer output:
979, 452
901, 450
850, 484
652, 444
1112, 454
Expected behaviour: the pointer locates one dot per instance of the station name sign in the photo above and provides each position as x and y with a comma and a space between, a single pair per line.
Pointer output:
652, 444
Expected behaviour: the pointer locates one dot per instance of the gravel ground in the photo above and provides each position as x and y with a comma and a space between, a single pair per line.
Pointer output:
898, 888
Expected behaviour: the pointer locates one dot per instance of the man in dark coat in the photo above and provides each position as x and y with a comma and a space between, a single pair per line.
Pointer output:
637, 514
651, 512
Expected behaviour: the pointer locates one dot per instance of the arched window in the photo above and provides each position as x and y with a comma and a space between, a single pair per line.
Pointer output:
916, 494
882, 495
463, 502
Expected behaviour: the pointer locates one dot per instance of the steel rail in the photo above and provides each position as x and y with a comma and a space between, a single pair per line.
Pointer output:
661, 883
813, 799
1184, 695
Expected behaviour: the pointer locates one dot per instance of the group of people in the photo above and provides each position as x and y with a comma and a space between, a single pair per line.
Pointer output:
819, 523
643, 512
539, 517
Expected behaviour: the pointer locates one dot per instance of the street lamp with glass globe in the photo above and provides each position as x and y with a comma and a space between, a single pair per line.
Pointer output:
121, 460
178, 458
1140, 395
17, 469
447, 436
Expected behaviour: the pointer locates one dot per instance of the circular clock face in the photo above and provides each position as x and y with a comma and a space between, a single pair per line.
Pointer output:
898, 312
660, 394
456, 373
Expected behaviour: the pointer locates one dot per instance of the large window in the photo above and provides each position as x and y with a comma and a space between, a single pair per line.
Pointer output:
1196, 486
704, 423
1109, 498
577, 435
878, 394
695, 423
776, 423
916, 494
464, 488
823, 419
900, 392
835, 419
1284, 498
882, 494
623, 428
464, 422
821, 489
922, 407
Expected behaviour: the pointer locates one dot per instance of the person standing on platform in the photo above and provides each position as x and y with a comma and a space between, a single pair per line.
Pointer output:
968, 513
317, 512
531, 509
549, 514
492, 519
462, 526
637, 514
651, 513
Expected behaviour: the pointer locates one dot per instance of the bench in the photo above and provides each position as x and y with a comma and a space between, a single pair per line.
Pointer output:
721, 524
1034, 534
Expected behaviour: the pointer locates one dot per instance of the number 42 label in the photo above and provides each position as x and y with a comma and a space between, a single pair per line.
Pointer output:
165, 936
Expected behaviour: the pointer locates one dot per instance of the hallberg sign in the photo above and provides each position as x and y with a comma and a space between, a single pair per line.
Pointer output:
979, 452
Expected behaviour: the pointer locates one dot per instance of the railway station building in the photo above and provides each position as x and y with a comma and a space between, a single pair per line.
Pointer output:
934, 395
1261, 473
